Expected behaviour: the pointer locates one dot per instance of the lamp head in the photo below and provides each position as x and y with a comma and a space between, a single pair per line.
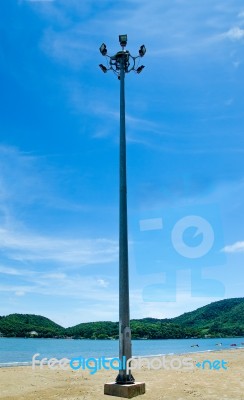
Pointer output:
142, 50
123, 40
103, 49
103, 68
139, 69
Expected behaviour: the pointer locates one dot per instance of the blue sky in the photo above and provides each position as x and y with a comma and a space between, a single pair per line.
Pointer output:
59, 126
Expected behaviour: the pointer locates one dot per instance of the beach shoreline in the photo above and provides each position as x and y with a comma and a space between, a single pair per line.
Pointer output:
24, 383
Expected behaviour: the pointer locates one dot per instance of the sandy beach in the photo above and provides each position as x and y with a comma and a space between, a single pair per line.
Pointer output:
24, 383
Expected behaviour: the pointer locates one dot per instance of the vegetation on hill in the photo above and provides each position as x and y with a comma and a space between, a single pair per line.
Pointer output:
27, 325
219, 319
95, 330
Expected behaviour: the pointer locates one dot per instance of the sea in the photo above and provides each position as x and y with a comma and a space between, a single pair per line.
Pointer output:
19, 351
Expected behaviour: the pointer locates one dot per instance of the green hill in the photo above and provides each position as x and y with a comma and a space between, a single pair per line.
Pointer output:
95, 330
224, 317
21, 325
219, 319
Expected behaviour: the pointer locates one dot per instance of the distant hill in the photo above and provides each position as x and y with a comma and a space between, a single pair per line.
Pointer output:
21, 325
224, 317
219, 319
95, 330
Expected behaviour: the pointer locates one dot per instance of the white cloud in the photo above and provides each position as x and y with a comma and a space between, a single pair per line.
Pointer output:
55, 275
9, 271
19, 293
29, 180
237, 247
83, 288
102, 283
183, 34
66, 47
235, 33
24, 247
20, 177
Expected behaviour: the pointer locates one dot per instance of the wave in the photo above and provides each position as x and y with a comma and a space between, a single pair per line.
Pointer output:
15, 364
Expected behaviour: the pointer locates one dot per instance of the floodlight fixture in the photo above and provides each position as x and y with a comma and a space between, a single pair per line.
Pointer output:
123, 60
103, 68
142, 50
123, 40
103, 49
139, 69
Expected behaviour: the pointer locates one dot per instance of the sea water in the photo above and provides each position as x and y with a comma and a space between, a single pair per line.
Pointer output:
19, 351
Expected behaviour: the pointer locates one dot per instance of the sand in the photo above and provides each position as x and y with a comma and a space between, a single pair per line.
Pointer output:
24, 383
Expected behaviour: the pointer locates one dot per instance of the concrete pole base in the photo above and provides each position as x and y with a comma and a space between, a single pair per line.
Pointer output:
127, 391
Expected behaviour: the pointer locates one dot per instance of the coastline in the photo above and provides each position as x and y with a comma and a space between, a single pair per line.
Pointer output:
24, 383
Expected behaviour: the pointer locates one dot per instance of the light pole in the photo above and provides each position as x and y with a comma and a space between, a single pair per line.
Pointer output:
122, 63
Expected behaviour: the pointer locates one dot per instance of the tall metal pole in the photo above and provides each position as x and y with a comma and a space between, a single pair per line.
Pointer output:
121, 63
124, 308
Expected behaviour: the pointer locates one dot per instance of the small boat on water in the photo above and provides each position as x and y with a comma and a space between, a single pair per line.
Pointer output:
195, 345
233, 345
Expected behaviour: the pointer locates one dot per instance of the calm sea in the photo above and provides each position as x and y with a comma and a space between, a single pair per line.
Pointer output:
16, 351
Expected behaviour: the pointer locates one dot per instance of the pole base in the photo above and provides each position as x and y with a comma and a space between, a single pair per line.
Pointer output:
127, 391
123, 379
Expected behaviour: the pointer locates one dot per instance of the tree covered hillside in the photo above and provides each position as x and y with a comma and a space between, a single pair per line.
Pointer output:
21, 325
225, 317
219, 319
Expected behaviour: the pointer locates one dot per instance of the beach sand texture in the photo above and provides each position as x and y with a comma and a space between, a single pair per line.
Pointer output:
24, 383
